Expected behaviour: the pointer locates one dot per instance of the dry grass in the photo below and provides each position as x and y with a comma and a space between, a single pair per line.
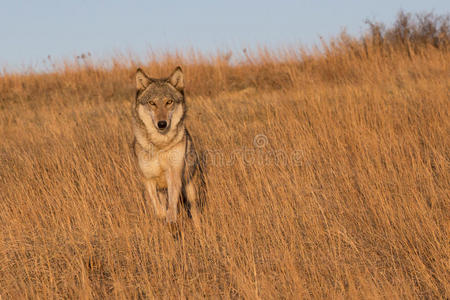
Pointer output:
345, 193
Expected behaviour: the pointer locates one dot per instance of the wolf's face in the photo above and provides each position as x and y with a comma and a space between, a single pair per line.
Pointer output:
160, 102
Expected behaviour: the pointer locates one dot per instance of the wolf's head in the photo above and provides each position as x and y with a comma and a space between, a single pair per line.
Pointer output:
160, 102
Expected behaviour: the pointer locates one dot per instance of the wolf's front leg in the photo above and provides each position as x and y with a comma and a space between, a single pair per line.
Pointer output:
152, 192
173, 191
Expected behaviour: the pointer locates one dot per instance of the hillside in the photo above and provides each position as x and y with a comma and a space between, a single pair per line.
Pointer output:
327, 175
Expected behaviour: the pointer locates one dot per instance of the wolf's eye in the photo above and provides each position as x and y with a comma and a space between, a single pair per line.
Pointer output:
152, 103
169, 102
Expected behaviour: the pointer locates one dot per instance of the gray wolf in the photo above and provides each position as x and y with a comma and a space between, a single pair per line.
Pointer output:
164, 149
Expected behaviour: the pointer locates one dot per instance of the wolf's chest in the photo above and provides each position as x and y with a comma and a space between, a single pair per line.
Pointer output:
157, 167
154, 169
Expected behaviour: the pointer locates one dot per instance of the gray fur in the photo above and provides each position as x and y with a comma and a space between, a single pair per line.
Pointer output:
169, 164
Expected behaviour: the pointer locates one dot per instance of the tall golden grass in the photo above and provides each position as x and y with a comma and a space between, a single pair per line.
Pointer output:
327, 176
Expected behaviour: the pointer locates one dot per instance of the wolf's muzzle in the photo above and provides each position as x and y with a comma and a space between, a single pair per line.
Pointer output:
162, 124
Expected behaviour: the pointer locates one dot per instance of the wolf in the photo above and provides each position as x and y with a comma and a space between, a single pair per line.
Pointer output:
169, 165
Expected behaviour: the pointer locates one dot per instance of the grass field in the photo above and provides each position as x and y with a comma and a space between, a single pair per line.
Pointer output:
327, 175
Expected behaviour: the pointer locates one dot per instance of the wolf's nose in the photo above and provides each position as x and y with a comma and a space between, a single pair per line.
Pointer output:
162, 124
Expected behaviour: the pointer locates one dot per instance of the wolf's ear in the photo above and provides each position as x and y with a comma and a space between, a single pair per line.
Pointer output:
142, 80
177, 79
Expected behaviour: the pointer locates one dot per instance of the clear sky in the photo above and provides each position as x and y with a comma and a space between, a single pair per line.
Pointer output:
31, 30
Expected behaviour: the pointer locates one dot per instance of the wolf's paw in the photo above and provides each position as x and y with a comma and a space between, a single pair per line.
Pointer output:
171, 216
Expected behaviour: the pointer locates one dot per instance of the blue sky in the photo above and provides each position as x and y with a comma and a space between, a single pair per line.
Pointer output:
32, 30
